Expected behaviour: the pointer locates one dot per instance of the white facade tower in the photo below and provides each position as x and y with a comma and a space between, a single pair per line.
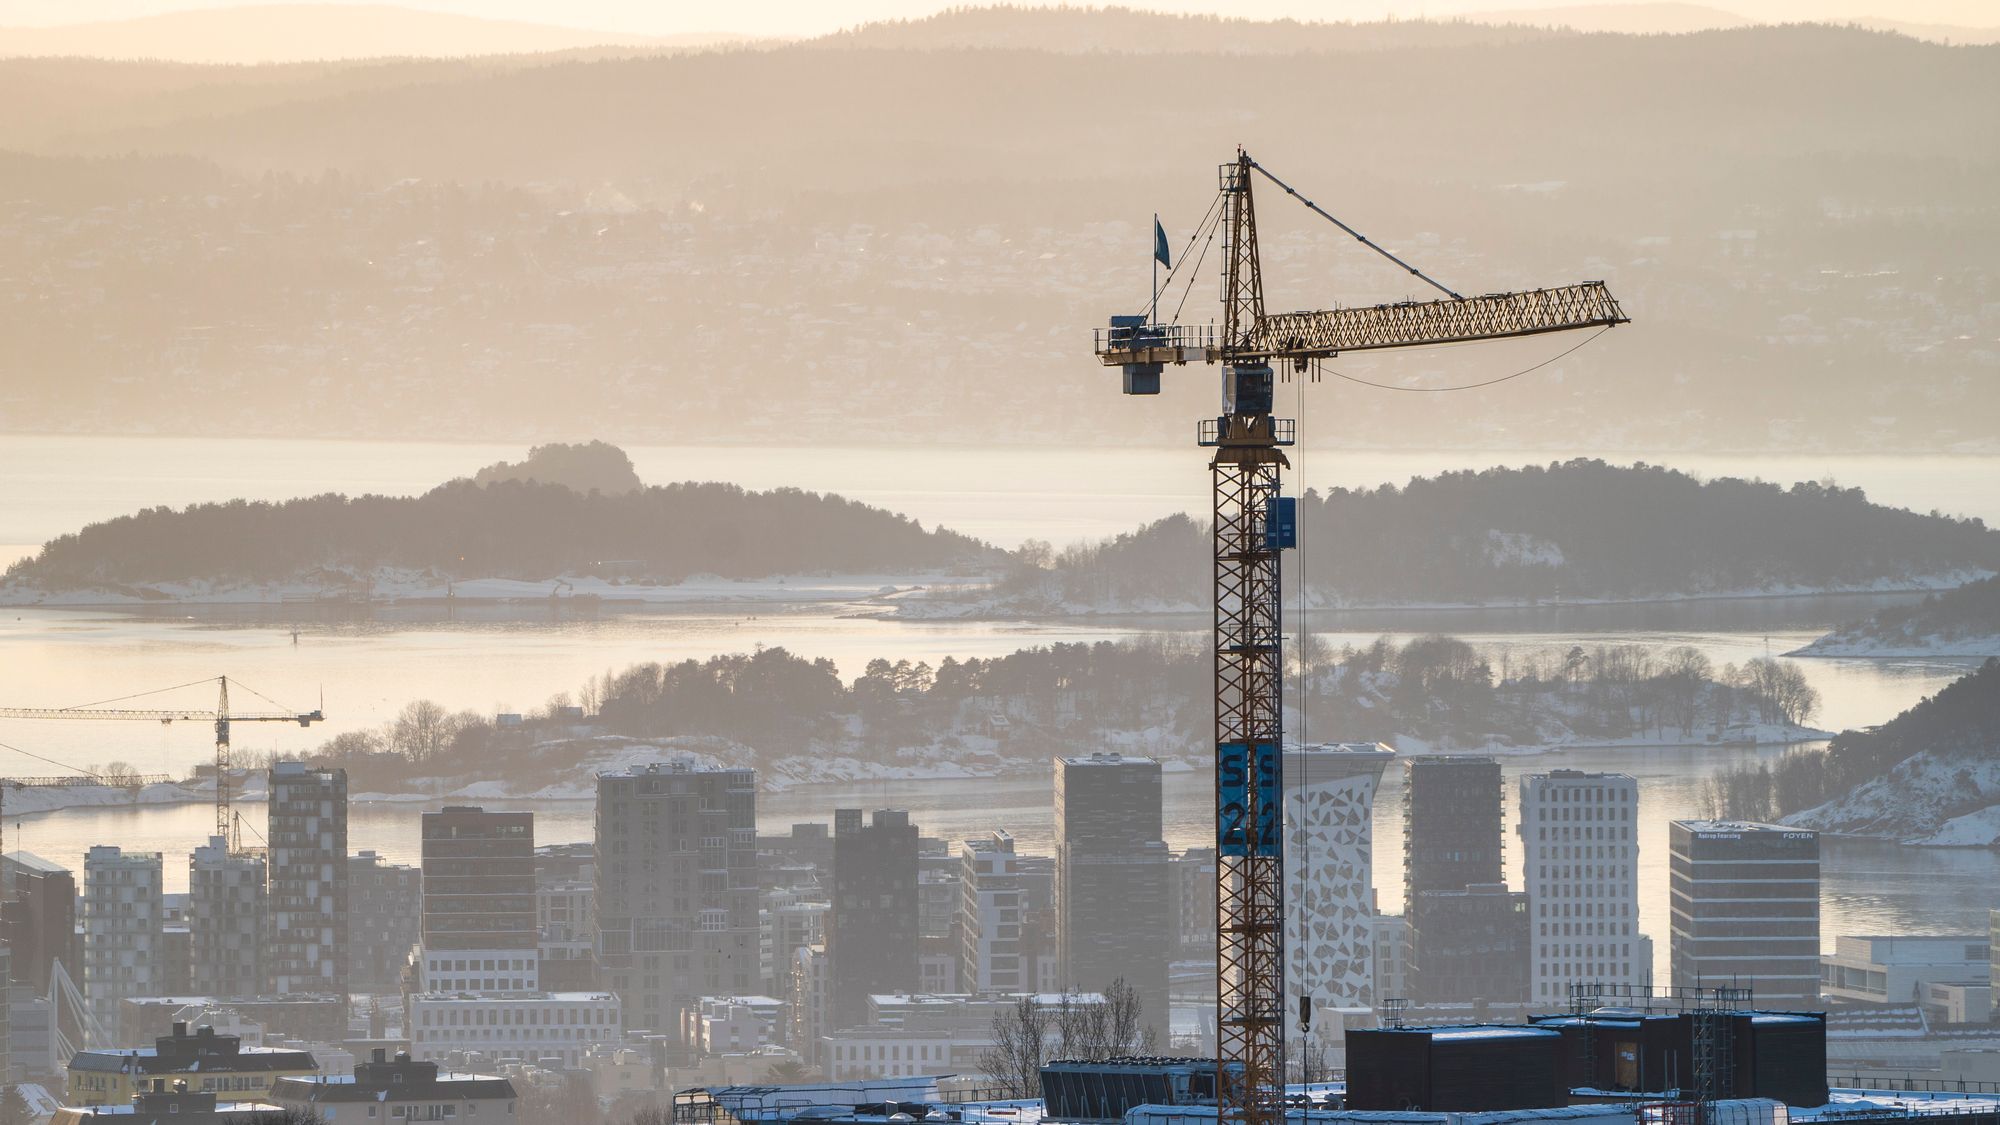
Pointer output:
1329, 881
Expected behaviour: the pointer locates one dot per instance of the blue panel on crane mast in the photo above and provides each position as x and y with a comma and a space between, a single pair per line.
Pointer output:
1234, 834
1281, 523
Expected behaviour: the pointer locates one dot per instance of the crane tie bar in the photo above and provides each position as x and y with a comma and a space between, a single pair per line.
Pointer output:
1358, 236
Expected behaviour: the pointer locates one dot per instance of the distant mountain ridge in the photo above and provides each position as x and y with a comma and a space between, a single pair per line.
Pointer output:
1799, 219
290, 33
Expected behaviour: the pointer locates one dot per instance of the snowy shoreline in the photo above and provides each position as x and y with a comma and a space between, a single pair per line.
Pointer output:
906, 597
407, 587
784, 774
925, 606
1875, 648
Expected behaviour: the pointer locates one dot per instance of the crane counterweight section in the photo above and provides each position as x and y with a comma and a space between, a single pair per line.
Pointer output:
1253, 523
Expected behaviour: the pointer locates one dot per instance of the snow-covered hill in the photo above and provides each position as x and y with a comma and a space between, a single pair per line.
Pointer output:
1948, 800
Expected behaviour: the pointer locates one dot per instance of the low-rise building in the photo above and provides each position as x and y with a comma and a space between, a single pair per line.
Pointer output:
318, 1018
617, 1071
163, 1106
527, 1026
855, 1053
727, 1025
398, 1089
209, 1063
385, 904
1896, 969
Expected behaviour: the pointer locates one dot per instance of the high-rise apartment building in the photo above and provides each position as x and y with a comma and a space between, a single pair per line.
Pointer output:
993, 909
123, 917
385, 907
306, 951
1329, 878
563, 887
479, 931
1745, 901
1112, 909
225, 919
871, 933
1580, 869
38, 919
1452, 842
1470, 945
1451, 824
676, 889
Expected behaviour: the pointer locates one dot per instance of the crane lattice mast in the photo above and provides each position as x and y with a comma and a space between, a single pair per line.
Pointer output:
1252, 527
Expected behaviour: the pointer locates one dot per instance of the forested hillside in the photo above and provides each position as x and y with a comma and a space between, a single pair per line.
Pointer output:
780, 244
1965, 621
1931, 774
798, 719
1578, 529
509, 529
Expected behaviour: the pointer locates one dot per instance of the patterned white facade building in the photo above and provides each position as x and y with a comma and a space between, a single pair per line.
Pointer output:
1329, 881
1579, 866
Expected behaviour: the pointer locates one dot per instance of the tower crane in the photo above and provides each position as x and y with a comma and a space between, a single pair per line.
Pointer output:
221, 716
1253, 524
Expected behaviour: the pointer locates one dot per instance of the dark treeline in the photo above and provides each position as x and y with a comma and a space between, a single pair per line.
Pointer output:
1971, 610
511, 529
1043, 700
1960, 722
1574, 529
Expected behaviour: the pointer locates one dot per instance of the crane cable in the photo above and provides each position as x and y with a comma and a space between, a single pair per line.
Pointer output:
141, 694
1174, 266
1319, 367
50, 761
1214, 224
1306, 989
1358, 236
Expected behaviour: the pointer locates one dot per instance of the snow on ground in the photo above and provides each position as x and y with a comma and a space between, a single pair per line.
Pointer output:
1854, 642
1926, 799
389, 586
975, 599
1973, 830
28, 801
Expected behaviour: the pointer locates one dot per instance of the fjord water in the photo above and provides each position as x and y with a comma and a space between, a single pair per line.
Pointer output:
370, 661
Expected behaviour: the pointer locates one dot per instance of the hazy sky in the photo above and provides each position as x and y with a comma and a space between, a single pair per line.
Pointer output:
796, 17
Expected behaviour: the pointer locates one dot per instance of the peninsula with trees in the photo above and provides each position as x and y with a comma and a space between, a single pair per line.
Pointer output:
797, 720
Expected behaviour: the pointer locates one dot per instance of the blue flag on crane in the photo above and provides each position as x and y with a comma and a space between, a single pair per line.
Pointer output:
1160, 244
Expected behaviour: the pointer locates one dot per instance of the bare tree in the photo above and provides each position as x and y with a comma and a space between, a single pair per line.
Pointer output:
1021, 1044
120, 774
423, 730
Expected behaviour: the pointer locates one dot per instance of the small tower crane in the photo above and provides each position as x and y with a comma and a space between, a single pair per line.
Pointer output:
1253, 524
221, 716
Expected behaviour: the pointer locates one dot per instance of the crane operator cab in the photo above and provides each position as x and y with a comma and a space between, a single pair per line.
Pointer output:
1131, 332
1247, 388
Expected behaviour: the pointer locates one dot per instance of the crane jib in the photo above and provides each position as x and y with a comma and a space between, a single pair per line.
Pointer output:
1408, 324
